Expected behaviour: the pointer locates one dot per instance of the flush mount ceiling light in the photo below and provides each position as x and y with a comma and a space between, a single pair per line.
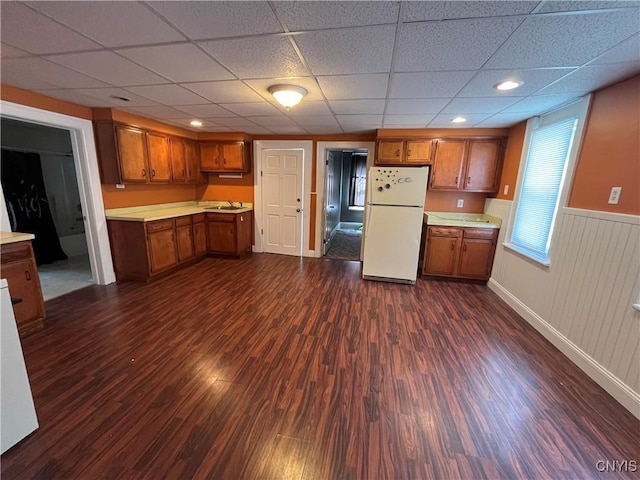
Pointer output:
195, 123
287, 95
507, 85
458, 120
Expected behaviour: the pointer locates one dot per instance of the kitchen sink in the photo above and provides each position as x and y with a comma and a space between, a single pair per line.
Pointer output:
224, 207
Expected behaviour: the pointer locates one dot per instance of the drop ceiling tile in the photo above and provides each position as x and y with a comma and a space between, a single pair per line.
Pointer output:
30, 31
354, 107
480, 105
360, 120
231, 91
7, 51
354, 87
487, 8
416, 120
468, 43
325, 129
257, 130
361, 50
25, 82
216, 128
75, 97
568, 6
363, 128
179, 62
251, 109
261, 85
287, 130
305, 108
444, 119
534, 79
113, 24
108, 67
502, 120
428, 84
422, 11
415, 106
257, 57
53, 73
207, 126
106, 95
168, 94
627, 51
590, 78
231, 121
161, 112
198, 20
320, 15
205, 111
316, 120
564, 40
537, 104
270, 121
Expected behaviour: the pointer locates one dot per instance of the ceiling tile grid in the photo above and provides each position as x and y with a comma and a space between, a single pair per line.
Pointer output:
364, 64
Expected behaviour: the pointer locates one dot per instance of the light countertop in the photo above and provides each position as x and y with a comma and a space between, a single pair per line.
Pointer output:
13, 237
149, 213
454, 219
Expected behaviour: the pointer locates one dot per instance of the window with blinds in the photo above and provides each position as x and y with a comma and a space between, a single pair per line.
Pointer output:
550, 151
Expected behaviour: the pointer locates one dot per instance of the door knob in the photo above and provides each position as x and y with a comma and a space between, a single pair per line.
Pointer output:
298, 210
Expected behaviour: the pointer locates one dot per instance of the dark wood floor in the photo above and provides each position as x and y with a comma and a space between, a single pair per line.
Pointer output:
280, 367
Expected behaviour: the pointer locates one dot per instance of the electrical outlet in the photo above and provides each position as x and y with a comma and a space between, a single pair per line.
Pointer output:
614, 196
506, 190
460, 203
119, 185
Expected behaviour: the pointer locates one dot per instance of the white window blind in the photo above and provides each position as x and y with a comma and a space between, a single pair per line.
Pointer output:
544, 173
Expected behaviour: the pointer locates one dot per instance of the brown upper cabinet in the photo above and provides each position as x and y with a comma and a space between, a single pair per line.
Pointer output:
225, 157
394, 152
129, 154
467, 164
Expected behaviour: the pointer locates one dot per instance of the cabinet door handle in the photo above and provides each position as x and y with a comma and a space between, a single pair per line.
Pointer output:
153, 173
456, 180
224, 161
27, 275
144, 172
398, 153
464, 247
453, 245
409, 153
468, 180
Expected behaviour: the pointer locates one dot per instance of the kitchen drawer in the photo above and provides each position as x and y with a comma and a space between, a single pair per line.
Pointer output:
479, 232
182, 221
197, 218
221, 217
13, 252
158, 225
444, 231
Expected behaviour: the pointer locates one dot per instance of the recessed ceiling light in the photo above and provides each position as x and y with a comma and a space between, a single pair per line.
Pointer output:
195, 123
458, 120
507, 85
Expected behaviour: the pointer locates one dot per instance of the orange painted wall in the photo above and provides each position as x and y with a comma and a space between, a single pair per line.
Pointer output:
138, 195
511, 163
437, 201
610, 155
36, 100
235, 189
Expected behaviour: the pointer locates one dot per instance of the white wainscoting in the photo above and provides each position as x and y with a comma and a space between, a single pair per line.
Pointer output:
582, 303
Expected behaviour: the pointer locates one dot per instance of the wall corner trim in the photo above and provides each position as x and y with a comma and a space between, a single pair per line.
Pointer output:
611, 384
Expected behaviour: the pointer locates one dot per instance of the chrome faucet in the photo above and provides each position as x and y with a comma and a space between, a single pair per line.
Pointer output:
230, 203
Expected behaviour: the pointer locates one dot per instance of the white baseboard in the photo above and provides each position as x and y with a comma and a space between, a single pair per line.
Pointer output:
611, 384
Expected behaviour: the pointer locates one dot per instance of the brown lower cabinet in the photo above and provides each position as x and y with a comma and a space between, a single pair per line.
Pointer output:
144, 250
20, 270
459, 252
229, 234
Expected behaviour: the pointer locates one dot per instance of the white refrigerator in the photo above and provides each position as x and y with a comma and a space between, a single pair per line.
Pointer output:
393, 224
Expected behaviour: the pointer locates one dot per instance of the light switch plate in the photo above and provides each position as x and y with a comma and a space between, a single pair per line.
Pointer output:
614, 196
119, 185
506, 190
460, 203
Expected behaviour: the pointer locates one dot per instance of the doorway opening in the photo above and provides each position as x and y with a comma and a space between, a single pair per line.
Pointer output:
344, 201
40, 188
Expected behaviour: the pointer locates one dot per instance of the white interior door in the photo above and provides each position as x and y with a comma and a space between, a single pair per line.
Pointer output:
282, 201
332, 198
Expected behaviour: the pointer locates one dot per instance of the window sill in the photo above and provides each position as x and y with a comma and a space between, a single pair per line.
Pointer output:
357, 209
530, 256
